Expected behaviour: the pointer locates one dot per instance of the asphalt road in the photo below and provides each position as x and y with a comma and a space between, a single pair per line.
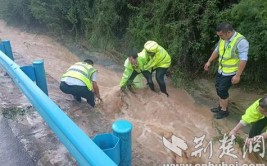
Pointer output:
12, 152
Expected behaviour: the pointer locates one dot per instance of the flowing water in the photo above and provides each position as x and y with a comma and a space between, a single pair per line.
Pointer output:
154, 116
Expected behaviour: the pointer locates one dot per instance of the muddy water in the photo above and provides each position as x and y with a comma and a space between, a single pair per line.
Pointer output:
153, 115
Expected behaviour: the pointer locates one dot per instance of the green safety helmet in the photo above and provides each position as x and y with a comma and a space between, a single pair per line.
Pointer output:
151, 46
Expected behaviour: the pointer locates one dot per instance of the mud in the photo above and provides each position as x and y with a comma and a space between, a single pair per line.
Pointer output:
154, 116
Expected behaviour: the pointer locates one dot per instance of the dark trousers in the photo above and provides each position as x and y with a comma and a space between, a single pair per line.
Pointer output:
147, 75
257, 127
160, 72
78, 92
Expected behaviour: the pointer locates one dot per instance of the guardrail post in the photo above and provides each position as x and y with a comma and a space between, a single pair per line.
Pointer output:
7, 49
2, 47
40, 77
110, 144
123, 130
29, 71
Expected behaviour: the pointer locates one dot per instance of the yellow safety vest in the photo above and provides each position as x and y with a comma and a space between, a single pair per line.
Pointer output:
228, 57
252, 113
83, 72
160, 59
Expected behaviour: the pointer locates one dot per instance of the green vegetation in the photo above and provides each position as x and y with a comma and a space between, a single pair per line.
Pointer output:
185, 28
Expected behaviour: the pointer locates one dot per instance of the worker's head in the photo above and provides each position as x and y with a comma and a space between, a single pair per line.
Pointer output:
132, 56
225, 31
89, 61
151, 47
263, 105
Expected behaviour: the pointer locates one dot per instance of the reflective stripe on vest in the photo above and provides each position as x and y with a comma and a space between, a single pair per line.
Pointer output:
83, 72
228, 57
165, 62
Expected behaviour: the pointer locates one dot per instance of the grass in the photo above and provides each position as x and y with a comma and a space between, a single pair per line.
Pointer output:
238, 140
182, 80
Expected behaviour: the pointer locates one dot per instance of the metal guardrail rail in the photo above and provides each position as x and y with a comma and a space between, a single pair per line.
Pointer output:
81, 147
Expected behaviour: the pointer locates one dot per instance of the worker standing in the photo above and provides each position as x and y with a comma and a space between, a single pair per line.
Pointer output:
232, 54
159, 61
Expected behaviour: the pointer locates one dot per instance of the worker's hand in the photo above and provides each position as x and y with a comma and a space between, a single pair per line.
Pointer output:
249, 141
131, 88
235, 79
97, 95
123, 88
232, 133
207, 65
122, 92
99, 100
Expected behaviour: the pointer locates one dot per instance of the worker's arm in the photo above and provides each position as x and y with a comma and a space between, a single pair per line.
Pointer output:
151, 63
158, 57
128, 70
242, 48
125, 77
96, 89
95, 86
240, 70
251, 115
234, 131
213, 56
247, 118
